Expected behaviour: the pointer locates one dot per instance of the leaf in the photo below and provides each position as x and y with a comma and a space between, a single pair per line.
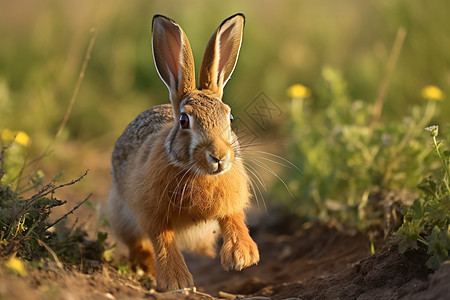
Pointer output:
428, 186
101, 237
417, 209
439, 248
108, 254
406, 237
123, 269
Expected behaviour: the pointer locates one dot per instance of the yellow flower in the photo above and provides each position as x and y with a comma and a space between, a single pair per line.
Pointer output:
20, 137
16, 266
298, 91
432, 92
23, 139
7, 135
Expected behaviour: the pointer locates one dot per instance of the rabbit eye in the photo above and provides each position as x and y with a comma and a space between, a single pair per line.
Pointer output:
184, 121
231, 119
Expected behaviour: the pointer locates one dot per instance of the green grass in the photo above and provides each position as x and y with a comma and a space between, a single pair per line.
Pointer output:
427, 221
344, 158
354, 173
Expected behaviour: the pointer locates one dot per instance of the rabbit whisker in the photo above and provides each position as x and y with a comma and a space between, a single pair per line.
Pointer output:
195, 174
166, 189
254, 186
256, 174
271, 160
174, 193
267, 168
253, 183
166, 192
278, 157
189, 181
182, 196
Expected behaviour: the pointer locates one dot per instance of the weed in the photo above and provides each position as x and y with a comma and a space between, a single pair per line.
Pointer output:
427, 221
349, 167
25, 229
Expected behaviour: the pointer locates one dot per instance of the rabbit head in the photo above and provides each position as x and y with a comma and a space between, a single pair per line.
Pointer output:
201, 138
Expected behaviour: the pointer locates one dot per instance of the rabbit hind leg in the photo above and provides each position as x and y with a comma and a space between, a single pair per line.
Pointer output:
125, 227
141, 254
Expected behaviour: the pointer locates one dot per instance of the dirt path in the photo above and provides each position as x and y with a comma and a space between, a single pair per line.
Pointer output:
316, 263
321, 263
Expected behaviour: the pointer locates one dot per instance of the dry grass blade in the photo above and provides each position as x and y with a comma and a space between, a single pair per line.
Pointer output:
393, 57
53, 254
78, 85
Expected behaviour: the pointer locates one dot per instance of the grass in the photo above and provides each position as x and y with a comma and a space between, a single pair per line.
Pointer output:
354, 124
26, 202
427, 220
344, 159
354, 174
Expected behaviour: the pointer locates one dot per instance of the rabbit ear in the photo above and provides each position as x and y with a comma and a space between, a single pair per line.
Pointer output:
173, 58
221, 54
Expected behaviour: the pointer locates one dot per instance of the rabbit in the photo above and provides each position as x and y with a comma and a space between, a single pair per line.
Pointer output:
178, 174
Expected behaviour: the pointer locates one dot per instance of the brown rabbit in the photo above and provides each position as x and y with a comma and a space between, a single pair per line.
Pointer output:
178, 177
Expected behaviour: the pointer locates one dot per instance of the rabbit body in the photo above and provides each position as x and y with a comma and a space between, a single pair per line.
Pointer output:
178, 175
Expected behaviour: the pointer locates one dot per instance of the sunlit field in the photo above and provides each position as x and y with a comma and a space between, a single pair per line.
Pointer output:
341, 108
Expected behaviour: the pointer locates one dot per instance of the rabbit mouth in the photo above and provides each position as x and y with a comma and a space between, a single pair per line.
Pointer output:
220, 169
216, 166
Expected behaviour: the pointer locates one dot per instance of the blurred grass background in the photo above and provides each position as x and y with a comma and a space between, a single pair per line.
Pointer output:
42, 47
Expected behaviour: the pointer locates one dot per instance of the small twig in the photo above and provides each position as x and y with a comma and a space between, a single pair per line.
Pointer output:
60, 203
392, 61
39, 158
51, 188
53, 254
70, 212
73, 227
203, 294
26, 165
229, 296
87, 57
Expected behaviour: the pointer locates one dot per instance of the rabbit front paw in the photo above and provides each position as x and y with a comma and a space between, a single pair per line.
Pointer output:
171, 280
239, 254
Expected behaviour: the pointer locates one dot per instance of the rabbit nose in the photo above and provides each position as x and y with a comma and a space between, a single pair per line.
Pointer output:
218, 164
212, 158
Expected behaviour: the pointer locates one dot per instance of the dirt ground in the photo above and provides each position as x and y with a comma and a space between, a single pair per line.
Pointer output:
313, 263
296, 263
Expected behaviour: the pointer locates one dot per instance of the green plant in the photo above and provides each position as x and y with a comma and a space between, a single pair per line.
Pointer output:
25, 229
345, 160
427, 221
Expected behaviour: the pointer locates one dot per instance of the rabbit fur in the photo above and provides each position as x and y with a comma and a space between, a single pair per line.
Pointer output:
178, 187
